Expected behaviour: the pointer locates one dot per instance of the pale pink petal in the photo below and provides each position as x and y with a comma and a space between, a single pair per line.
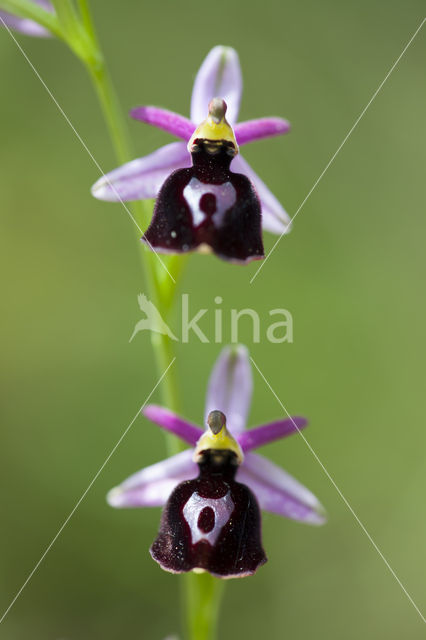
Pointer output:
26, 26
169, 121
274, 218
259, 436
230, 387
143, 177
152, 486
261, 128
173, 423
219, 76
278, 492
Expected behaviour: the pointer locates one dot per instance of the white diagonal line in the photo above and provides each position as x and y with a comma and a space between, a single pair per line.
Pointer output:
340, 494
80, 500
333, 157
84, 145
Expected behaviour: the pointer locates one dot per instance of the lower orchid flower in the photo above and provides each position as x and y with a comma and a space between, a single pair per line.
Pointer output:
212, 493
206, 207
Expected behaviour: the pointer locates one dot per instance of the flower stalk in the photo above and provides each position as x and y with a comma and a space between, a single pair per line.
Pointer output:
202, 592
161, 289
68, 19
112, 112
203, 596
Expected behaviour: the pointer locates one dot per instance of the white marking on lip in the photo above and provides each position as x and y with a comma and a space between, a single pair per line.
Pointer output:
225, 195
222, 508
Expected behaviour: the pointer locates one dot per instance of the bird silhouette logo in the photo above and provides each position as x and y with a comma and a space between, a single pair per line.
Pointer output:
153, 321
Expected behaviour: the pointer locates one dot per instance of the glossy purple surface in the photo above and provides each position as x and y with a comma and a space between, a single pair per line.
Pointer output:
208, 204
211, 523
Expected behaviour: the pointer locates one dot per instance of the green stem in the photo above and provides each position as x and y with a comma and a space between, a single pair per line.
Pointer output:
161, 290
203, 597
202, 592
86, 18
67, 16
111, 110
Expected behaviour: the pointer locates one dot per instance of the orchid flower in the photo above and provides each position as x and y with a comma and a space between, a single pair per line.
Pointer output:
169, 482
219, 76
26, 26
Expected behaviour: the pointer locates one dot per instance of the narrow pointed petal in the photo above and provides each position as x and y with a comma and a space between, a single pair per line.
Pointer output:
261, 128
254, 438
219, 76
173, 423
279, 492
230, 387
169, 121
274, 218
143, 177
152, 486
26, 26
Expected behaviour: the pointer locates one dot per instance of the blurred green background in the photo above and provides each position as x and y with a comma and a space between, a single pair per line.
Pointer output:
351, 273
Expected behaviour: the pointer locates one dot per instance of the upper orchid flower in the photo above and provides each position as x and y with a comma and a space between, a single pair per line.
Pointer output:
203, 516
218, 77
208, 207
24, 25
